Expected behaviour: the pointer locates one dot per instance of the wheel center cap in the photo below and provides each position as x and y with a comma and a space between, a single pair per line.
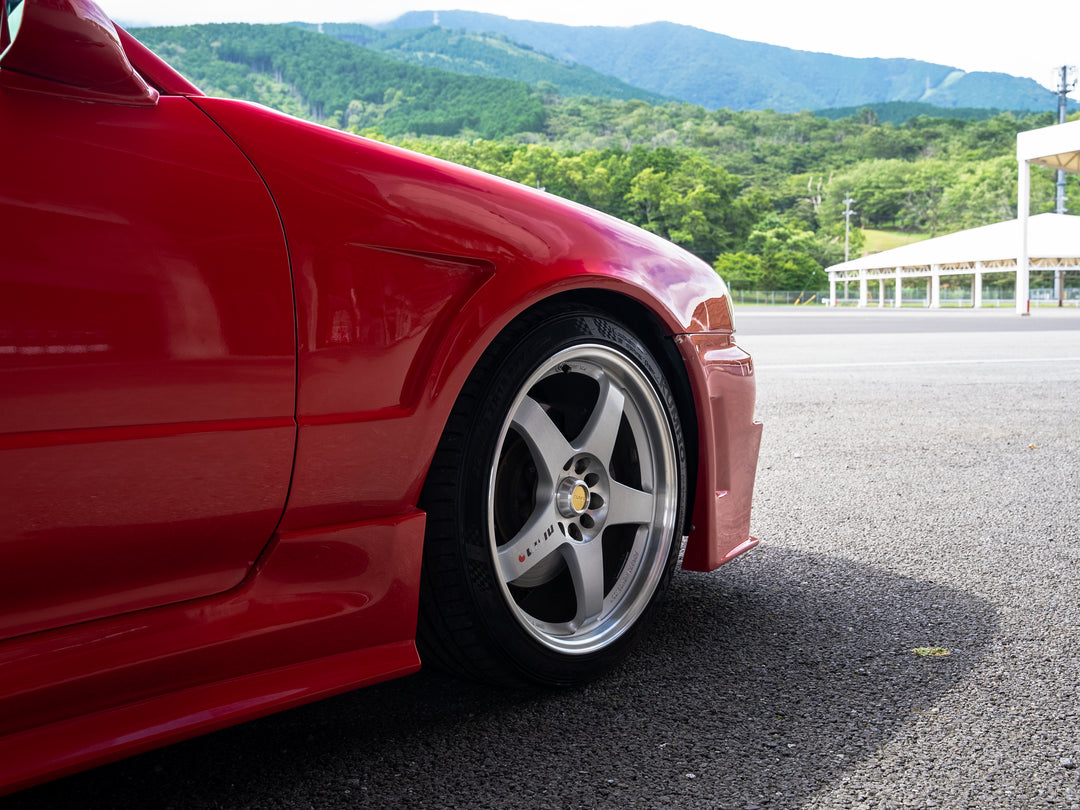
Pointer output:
572, 499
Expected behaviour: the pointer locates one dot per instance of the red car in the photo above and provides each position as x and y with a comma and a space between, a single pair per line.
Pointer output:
282, 405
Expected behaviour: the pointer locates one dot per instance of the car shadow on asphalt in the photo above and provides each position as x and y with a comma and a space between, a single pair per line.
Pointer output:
760, 685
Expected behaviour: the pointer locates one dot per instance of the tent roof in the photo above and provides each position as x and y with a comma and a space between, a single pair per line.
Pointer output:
1050, 236
1056, 147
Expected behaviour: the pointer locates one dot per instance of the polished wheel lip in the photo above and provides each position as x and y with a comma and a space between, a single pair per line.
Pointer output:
625, 391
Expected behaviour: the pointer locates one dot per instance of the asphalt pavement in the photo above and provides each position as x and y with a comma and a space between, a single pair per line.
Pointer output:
906, 635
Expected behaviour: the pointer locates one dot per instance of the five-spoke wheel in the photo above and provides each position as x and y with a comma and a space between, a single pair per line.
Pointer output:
555, 504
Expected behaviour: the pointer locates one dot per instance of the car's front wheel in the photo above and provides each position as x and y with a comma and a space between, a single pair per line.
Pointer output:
555, 504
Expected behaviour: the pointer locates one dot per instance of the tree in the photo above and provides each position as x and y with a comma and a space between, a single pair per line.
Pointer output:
742, 271
784, 250
880, 186
922, 207
981, 193
646, 194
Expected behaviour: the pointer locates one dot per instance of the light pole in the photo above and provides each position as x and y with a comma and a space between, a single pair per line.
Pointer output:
848, 200
1063, 101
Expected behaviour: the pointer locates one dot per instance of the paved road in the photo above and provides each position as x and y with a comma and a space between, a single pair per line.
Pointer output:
917, 489
872, 320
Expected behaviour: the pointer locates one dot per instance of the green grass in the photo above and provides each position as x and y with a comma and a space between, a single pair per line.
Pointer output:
931, 652
877, 241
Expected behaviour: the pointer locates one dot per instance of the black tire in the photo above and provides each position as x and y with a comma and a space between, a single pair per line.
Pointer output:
555, 504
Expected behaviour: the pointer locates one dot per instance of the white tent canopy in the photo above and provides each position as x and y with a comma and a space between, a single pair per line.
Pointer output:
1050, 236
1042, 241
1056, 147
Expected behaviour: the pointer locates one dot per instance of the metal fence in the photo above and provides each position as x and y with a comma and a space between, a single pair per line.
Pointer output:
773, 297
951, 297
1044, 296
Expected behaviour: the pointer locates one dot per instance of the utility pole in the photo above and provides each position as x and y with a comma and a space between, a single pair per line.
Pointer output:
1064, 87
847, 225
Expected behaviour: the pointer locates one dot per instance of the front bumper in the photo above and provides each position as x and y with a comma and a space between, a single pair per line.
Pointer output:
722, 377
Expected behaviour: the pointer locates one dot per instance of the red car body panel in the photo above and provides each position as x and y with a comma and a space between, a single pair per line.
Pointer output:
229, 342
148, 358
326, 611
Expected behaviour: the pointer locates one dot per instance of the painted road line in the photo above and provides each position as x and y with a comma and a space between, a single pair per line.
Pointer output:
975, 361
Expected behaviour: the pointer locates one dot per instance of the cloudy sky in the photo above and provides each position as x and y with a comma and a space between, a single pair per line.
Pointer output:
1022, 38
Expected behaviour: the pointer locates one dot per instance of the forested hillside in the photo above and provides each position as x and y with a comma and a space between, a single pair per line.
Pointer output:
482, 54
323, 78
714, 70
900, 112
758, 194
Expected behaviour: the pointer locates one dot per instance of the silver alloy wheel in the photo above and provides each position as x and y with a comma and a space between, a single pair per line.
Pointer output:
583, 498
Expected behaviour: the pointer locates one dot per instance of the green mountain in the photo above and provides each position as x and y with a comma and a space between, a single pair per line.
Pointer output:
329, 80
717, 71
484, 54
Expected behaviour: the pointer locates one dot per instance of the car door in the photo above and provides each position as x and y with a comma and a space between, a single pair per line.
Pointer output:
147, 349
